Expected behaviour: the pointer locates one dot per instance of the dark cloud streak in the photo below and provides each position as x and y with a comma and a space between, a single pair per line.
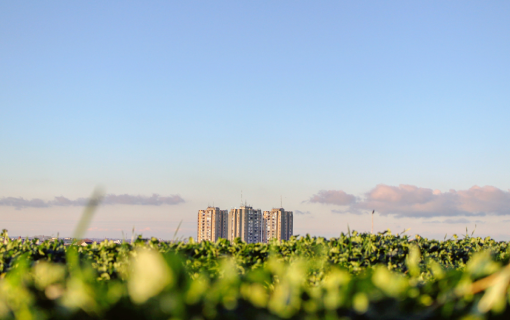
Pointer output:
302, 212
110, 199
22, 203
456, 221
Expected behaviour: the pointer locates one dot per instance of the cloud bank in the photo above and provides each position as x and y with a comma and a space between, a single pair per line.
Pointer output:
302, 212
110, 199
337, 197
456, 221
412, 201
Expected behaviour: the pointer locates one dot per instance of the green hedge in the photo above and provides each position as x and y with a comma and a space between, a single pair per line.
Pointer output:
356, 276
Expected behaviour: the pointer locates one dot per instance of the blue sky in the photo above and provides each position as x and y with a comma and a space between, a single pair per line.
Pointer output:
205, 99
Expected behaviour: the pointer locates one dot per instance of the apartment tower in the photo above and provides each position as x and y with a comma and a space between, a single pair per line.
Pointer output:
245, 223
212, 224
277, 224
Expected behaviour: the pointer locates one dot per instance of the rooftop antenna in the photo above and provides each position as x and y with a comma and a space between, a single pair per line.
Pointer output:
281, 201
241, 198
372, 232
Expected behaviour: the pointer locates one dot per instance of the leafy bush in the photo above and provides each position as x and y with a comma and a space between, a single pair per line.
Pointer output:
355, 276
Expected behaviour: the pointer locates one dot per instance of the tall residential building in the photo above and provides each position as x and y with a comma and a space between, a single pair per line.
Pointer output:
212, 224
277, 224
245, 223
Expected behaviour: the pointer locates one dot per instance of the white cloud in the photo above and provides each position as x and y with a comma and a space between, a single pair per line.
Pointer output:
337, 197
413, 201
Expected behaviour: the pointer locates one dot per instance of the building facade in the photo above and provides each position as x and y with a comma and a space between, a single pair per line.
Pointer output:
245, 223
277, 224
212, 224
